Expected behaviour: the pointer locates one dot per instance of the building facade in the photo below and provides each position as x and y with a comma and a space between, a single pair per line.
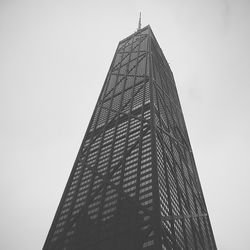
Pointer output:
134, 183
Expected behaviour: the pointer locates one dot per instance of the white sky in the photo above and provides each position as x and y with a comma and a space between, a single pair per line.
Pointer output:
54, 57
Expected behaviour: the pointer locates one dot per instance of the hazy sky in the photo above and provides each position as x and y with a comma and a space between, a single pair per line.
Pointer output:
54, 56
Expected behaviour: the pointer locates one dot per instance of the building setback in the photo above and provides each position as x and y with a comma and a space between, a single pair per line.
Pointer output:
134, 184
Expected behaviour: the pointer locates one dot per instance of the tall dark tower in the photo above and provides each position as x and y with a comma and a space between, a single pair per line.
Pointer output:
134, 183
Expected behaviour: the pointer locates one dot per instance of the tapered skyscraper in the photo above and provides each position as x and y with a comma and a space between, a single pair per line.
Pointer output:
134, 184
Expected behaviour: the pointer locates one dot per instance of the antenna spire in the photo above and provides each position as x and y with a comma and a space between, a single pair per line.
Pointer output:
139, 24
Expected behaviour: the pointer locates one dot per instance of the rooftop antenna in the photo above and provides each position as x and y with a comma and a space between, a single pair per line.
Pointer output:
139, 24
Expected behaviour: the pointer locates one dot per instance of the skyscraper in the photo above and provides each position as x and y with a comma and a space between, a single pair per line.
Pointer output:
134, 183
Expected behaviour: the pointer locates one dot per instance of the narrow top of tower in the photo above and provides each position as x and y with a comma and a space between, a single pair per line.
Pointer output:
139, 24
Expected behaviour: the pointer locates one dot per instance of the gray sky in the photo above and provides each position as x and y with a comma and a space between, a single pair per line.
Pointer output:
54, 56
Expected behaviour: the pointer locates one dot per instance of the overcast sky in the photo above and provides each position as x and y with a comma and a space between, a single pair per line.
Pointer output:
54, 57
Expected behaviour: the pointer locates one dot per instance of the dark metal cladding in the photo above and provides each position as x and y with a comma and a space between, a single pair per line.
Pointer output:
134, 184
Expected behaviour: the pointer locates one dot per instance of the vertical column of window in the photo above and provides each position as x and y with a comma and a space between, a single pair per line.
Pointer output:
171, 176
168, 106
167, 197
130, 168
94, 205
169, 87
120, 143
155, 185
180, 182
165, 84
101, 159
86, 175
101, 167
117, 148
121, 66
109, 207
165, 201
167, 74
179, 176
130, 81
128, 185
127, 176
182, 203
163, 106
174, 201
121, 202
143, 167
162, 181
146, 189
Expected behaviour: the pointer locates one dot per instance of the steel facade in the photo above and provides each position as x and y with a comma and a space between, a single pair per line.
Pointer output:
134, 183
